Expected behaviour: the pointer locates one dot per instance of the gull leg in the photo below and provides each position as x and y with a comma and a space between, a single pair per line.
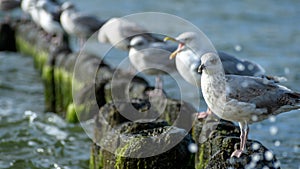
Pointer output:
243, 139
158, 87
158, 82
204, 114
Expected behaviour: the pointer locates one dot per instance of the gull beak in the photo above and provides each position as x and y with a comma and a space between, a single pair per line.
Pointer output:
173, 54
170, 39
180, 46
200, 68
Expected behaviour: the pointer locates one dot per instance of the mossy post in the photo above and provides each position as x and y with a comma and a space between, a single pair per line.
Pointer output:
217, 139
7, 37
142, 138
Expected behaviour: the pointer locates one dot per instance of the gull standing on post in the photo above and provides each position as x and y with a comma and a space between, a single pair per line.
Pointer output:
77, 24
243, 99
188, 60
7, 5
49, 19
151, 58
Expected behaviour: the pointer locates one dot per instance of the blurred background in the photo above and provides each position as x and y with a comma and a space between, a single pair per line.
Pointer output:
267, 32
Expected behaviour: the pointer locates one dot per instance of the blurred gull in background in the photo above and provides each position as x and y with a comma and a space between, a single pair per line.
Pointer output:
9, 5
49, 18
151, 58
119, 31
78, 24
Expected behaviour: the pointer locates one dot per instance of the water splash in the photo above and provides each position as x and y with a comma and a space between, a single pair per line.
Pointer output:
269, 155
273, 130
193, 148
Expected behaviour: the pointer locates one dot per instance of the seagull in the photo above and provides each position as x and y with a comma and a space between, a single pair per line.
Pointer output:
188, 61
48, 20
119, 31
9, 5
151, 58
34, 13
78, 24
26, 5
243, 99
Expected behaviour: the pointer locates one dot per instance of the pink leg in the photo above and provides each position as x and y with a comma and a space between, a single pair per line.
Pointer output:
203, 115
158, 82
243, 137
158, 88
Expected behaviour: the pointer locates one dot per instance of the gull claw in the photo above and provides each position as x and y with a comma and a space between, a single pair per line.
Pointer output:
237, 153
202, 115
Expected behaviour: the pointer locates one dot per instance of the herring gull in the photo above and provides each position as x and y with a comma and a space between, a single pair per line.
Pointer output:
48, 19
243, 99
188, 60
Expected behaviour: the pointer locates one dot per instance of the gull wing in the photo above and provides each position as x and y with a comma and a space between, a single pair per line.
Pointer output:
233, 65
262, 92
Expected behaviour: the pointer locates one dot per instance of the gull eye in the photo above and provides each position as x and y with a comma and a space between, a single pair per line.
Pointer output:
140, 43
214, 61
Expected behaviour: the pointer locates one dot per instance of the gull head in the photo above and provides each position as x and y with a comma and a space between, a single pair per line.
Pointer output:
42, 4
186, 41
138, 43
210, 64
67, 6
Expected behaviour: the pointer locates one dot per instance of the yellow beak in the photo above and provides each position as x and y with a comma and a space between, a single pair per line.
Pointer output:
173, 55
170, 39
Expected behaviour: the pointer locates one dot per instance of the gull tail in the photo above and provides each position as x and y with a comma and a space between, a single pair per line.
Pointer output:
296, 97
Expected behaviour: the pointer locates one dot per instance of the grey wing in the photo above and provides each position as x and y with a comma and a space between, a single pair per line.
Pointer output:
260, 91
91, 22
164, 46
233, 65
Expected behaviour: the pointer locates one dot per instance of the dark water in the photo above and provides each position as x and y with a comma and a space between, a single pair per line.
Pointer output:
267, 32
30, 138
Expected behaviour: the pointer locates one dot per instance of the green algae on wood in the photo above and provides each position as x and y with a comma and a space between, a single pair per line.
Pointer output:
48, 81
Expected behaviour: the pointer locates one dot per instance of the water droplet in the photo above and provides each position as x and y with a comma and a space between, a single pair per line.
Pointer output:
272, 119
268, 155
255, 146
258, 126
254, 118
238, 48
240, 67
277, 143
265, 81
193, 148
252, 165
284, 154
56, 166
244, 84
277, 164
273, 130
250, 67
31, 143
265, 167
255, 157
227, 88
286, 71
40, 150
296, 148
